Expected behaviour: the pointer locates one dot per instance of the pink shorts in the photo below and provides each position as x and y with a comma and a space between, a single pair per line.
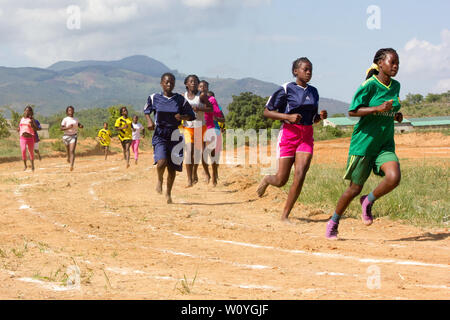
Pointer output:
294, 138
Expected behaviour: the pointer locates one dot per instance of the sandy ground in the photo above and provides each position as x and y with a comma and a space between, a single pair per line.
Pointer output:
102, 232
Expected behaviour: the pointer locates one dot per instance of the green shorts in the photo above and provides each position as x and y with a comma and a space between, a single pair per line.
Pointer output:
359, 167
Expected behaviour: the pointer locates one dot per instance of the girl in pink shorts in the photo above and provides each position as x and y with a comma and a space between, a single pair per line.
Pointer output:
296, 105
27, 129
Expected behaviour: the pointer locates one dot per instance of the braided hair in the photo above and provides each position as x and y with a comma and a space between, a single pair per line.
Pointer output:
191, 76
297, 62
380, 55
168, 74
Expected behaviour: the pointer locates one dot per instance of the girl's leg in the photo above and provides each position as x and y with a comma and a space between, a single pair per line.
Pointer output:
215, 168
349, 194
23, 149
106, 152
160, 167
205, 166
189, 163
391, 179
136, 150
171, 174
127, 153
72, 148
302, 163
278, 180
30, 145
68, 152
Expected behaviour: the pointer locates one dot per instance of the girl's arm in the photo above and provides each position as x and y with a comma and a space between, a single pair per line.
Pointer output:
274, 115
321, 116
364, 111
150, 123
208, 105
33, 124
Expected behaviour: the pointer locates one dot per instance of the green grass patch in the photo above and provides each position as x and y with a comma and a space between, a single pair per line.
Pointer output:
421, 198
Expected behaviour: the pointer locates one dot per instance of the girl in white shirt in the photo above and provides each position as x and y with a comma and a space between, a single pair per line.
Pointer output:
136, 134
70, 127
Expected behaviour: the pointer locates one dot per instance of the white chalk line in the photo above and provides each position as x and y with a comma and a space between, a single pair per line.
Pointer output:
317, 254
256, 246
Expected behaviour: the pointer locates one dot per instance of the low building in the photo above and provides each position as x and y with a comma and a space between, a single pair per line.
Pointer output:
430, 122
405, 126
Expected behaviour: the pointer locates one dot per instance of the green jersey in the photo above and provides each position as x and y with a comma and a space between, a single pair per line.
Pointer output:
374, 133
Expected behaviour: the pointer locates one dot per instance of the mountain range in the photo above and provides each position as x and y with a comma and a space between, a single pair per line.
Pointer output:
129, 81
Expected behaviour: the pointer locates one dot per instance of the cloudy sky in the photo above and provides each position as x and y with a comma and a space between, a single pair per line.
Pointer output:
238, 38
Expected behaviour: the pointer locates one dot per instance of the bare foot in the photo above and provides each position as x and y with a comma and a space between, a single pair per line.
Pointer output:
68, 160
135, 162
128, 165
262, 188
207, 179
214, 183
25, 168
71, 168
159, 187
32, 168
286, 220
195, 180
169, 199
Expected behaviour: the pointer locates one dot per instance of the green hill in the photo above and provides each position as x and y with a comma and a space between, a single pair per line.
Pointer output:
91, 84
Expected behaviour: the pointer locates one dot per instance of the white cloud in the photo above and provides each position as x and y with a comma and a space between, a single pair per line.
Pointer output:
36, 31
423, 56
200, 3
427, 62
443, 85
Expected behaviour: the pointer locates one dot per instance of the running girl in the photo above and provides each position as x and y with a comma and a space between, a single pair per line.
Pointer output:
194, 130
296, 105
372, 147
104, 138
169, 109
27, 129
70, 127
136, 137
213, 136
123, 125
36, 138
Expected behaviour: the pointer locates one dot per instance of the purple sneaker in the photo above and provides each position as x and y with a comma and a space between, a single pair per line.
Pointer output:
332, 230
366, 210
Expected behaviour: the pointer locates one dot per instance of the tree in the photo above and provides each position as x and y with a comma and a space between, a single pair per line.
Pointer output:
414, 98
4, 126
431, 97
246, 112
15, 117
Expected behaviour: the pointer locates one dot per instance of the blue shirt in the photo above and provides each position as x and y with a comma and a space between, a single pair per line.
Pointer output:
291, 98
216, 124
166, 108
36, 136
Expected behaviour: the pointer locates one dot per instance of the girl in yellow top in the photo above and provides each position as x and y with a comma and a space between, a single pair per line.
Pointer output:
104, 138
123, 125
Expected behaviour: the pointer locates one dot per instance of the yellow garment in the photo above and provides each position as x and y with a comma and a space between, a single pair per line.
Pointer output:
125, 134
373, 66
105, 137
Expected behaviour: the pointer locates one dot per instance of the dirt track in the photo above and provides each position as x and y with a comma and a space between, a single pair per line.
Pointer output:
129, 244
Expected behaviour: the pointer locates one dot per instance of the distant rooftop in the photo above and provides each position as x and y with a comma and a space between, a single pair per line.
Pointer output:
415, 122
